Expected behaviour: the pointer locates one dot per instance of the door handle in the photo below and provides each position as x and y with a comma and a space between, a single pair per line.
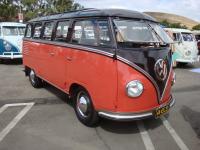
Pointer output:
69, 58
52, 54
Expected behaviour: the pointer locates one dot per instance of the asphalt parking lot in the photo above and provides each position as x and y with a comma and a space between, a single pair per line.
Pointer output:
43, 119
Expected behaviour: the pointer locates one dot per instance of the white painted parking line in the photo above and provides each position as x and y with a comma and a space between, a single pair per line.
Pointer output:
18, 104
3, 108
175, 136
145, 136
197, 70
14, 122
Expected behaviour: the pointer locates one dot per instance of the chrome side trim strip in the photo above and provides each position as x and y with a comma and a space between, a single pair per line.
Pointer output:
68, 45
132, 116
160, 97
52, 84
143, 72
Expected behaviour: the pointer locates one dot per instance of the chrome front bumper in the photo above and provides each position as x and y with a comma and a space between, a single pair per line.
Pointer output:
11, 55
188, 60
133, 116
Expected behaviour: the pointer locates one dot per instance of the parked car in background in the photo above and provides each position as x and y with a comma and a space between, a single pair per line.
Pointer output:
197, 36
198, 44
185, 46
112, 63
11, 34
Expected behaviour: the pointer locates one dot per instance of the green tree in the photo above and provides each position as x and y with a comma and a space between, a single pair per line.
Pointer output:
34, 8
167, 24
59, 6
8, 10
197, 27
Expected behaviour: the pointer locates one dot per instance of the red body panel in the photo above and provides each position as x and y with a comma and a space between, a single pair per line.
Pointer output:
147, 101
95, 72
104, 78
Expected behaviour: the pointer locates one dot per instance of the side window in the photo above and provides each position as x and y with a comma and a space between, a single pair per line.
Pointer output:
48, 28
37, 31
104, 33
28, 31
84, 33
176, 36
61, 31
94, 32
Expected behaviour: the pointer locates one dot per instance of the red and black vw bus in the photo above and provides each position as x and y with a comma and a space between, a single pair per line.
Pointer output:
112, 63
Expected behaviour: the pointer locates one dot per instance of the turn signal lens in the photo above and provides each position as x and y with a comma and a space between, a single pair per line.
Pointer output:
174, 78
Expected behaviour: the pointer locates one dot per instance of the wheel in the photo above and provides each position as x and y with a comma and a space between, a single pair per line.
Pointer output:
36, 82
84, 109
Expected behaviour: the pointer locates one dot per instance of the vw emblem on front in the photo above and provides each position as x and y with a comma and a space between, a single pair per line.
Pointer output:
160, 69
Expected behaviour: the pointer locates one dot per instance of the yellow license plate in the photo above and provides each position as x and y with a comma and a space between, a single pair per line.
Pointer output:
160, 111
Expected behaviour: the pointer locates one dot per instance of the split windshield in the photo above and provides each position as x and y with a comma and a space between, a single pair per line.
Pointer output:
13, 31
130, 32
188, 37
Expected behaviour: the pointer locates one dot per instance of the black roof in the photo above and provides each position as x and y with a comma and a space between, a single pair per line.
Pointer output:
90, 12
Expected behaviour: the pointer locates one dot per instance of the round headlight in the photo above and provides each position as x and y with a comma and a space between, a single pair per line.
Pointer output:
134, 88
8, 47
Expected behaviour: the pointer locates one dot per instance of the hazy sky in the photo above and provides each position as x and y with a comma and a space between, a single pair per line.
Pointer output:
188, 8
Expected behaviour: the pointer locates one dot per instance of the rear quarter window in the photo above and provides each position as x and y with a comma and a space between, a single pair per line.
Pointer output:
28, 31
37, 31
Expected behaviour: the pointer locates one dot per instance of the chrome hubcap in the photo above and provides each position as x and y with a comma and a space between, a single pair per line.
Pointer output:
82, 104
32, 76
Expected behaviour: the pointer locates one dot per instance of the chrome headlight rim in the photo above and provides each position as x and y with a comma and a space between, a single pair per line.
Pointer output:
139, 87
8, 47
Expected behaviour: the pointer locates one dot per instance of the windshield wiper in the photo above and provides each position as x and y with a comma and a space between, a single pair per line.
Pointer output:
143, 42
158, 36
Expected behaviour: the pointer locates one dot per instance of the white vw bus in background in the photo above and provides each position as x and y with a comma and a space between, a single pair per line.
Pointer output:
11, 35
185, 46
196, 33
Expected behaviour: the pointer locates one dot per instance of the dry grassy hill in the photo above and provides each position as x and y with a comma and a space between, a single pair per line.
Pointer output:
172, 18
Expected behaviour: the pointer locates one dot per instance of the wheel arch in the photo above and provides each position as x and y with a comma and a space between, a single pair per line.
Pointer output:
74, 87
27, 70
